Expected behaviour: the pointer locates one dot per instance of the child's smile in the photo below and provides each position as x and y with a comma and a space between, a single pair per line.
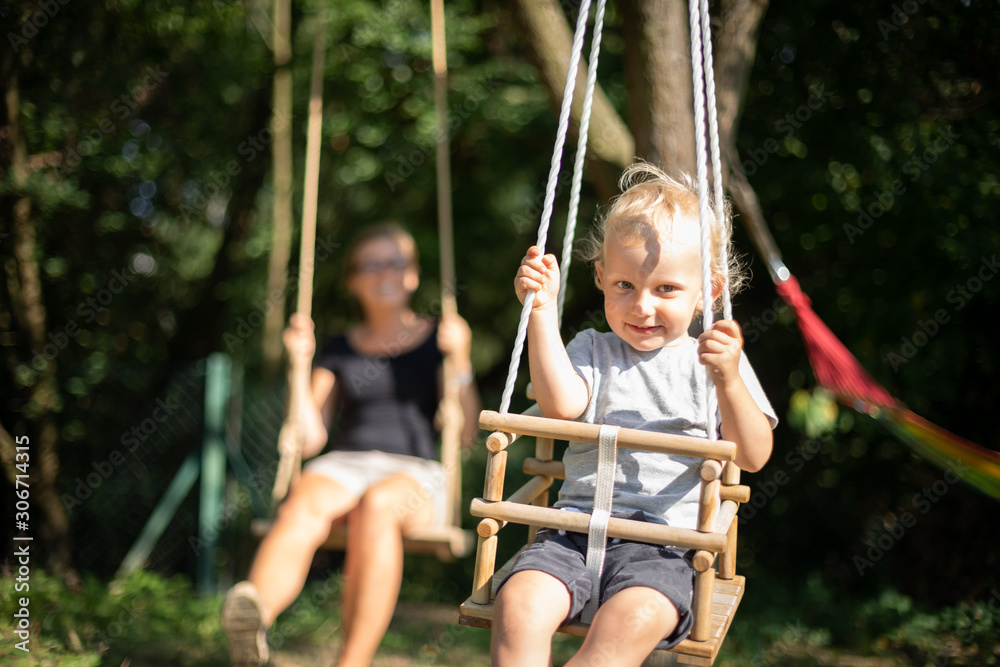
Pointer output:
643, 331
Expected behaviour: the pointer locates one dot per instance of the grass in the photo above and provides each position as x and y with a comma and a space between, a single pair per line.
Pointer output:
154, 621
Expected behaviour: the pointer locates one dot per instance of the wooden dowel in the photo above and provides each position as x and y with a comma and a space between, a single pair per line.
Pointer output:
486, 561
731, 473
727, 559
496, 467
544, 448
680, 445
725, 517
738, 493
488, 527
533, 466
578, 522
702, 560
501, 440
527, 494
710, 470
704, 588
531, 490
708, 507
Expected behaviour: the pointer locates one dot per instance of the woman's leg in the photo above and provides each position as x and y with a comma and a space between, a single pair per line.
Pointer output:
627, 628
374, 568
528, 610
280, 567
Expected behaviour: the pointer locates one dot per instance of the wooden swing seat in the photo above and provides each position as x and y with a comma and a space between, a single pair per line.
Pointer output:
446, 543
725, 601
716, 598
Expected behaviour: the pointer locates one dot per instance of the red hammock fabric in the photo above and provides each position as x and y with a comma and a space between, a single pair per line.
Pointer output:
834, 366
837, 370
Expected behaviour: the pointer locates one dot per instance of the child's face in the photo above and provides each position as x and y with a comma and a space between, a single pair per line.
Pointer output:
652, 289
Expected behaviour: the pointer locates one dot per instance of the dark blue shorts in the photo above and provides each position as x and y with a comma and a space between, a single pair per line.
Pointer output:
667, 570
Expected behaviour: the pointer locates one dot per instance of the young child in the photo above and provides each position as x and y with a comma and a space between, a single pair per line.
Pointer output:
646, 373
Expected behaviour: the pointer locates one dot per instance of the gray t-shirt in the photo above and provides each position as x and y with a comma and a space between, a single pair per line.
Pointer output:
661, 390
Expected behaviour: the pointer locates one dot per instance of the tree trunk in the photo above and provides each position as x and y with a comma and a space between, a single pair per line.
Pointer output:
281, 128
658, 77
29, 318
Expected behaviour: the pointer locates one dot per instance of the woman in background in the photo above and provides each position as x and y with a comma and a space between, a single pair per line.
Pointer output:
383, 379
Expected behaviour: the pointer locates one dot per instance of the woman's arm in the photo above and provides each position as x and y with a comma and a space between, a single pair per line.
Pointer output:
314, 422
455, 342
316, 389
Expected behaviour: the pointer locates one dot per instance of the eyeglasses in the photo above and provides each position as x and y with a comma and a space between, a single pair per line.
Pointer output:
377, 266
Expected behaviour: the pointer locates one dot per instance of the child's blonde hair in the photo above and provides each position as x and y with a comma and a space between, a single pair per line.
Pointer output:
649, 204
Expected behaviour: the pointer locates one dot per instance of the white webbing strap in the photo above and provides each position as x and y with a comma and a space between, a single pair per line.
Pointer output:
597, 534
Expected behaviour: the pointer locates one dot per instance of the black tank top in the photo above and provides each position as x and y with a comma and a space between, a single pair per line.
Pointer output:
386, 403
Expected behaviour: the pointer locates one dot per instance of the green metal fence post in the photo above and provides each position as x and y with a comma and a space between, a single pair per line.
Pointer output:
213, 467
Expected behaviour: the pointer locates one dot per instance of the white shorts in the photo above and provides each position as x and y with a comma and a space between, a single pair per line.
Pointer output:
358, 471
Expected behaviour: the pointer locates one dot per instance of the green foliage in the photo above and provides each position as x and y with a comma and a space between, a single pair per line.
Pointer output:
810, 624
149, 620
845, 103
812, 412
139, 619
870, 136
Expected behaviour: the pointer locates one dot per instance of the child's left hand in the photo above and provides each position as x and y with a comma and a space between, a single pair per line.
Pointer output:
719, 349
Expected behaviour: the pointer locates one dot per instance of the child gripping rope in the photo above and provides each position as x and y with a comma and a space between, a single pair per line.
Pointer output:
646, 373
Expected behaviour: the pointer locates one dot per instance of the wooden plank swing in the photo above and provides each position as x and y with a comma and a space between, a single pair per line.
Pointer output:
717, 588
450, 541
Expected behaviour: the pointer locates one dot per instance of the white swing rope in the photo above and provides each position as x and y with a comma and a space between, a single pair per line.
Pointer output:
608, 440
713, 135
581, 154
550, 195
703, 78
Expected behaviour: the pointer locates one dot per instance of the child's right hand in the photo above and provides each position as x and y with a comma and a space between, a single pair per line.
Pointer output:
539, 274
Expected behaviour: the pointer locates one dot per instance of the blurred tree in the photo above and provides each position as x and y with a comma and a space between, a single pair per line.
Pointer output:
281, 178
29, 313
106, 182
657, 59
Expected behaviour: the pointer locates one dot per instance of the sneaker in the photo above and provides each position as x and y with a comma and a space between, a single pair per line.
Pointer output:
243, 623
